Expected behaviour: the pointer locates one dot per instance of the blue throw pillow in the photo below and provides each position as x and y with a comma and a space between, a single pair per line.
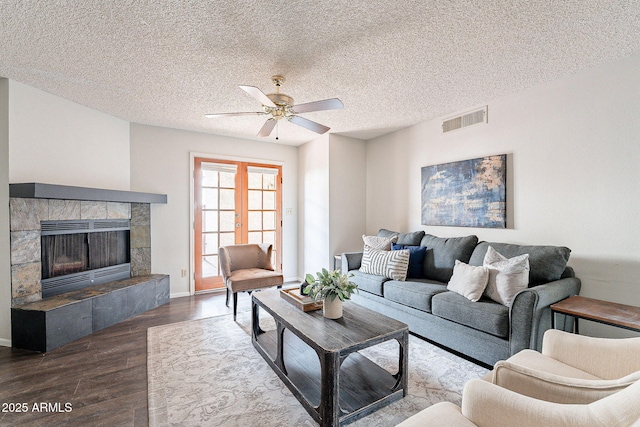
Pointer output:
416, 260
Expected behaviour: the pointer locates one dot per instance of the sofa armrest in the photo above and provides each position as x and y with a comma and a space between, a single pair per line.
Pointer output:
351, 261
530, 314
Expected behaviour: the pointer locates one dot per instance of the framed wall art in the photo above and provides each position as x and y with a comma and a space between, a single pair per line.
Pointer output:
468, 193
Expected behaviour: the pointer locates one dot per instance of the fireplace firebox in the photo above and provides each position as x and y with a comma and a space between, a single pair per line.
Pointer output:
81, 253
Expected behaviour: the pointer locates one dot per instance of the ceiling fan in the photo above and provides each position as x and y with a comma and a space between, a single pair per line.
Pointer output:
281, 106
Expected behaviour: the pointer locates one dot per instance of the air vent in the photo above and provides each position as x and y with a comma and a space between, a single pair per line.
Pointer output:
105, 225
467, 119
49, 228
64, 225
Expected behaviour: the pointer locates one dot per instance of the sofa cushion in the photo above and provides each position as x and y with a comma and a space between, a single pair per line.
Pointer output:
368, 282
416, 260
507, 276
409, 239
390, 264
485, 315
379, 242
442, 254
546, 263
469, 280
415, 294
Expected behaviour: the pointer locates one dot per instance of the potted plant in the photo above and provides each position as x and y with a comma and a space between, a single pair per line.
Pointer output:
331, 287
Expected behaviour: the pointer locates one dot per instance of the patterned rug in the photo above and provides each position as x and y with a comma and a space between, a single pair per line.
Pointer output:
207, 373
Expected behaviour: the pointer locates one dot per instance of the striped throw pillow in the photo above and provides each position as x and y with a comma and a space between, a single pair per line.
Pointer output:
377, 242
391, 264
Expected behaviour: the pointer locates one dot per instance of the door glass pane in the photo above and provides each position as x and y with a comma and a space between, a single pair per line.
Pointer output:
269, 200
227, 220
268, 220
255, 200
255, 237
269, 182
209, 178
210, 221
269, 237
255, 220
210, 266
210, 198
227, 199
227, 239
255, 181
209, 243
227, 180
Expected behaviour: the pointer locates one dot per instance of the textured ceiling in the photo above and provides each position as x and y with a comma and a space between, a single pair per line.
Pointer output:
392, 63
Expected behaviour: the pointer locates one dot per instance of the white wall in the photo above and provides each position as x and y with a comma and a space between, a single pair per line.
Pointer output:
574, 158
347, 194
161, 163
332, 199
55, 141
5, 265
313, 161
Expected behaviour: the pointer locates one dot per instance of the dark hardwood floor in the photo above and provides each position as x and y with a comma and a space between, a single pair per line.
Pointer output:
98, 380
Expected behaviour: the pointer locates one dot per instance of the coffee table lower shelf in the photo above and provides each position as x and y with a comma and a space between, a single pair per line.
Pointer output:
364, 386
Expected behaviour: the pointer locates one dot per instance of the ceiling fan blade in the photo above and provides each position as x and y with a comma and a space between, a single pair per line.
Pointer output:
259, 95
306, 123
250, 113
325, 104
267, 127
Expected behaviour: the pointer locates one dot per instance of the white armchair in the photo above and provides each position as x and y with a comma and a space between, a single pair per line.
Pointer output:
571, 368
487, 405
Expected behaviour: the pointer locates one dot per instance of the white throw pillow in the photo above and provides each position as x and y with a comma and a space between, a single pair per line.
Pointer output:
468, 280
380, 243
507, 276
390, 264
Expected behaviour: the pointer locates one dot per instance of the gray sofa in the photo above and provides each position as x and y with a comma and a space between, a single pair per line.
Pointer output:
484, 330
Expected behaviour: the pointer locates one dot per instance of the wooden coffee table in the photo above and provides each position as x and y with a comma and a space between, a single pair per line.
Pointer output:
318, 358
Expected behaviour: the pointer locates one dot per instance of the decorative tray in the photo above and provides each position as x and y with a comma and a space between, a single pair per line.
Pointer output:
302, 302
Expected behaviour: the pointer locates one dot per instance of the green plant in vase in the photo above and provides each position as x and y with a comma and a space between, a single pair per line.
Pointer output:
331, 287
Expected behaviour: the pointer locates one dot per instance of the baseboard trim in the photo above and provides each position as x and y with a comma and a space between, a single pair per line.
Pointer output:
4, 342
179, 294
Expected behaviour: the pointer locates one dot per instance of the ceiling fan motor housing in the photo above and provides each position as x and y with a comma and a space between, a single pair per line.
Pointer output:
284, 103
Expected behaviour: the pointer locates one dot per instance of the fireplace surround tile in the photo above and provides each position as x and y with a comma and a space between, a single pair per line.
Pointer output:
140, 236
140, 214
93, 210
25, 247
26, 214
62, 210
117, 210
25, 280
140, 261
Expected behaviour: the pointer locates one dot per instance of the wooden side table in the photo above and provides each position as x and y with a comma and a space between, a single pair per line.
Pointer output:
609, 313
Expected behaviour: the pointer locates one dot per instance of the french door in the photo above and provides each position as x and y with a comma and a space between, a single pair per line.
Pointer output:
234, 203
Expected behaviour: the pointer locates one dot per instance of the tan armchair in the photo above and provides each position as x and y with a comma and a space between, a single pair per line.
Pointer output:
487, 405
571, 368
246, 268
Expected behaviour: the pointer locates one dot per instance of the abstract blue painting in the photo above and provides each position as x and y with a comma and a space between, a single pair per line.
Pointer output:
469, 193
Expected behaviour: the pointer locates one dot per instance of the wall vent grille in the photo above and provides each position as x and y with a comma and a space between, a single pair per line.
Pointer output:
467, 119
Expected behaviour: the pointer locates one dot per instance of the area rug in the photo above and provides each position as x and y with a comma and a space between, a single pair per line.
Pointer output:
207, 373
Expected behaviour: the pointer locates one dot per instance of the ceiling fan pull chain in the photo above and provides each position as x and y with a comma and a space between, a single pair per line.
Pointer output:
277, 129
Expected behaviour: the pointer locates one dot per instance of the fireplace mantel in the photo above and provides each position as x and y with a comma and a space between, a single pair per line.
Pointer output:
35, 190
